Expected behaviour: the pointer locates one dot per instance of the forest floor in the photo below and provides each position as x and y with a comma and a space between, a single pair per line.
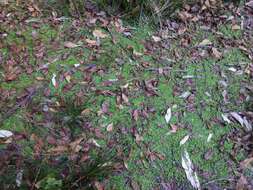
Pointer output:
162, 95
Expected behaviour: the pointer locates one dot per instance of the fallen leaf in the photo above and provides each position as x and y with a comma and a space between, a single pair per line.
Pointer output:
125, 98
208, 155
109, 128
138, 138
216, 53
185, 95
242, 183
86, 111
19, 178
209, 137
205, 42
184, 140
99, 34
242, 120
237, 117
247, 124
236, 27
75, 146
190, 173
174, 128
5, 134
68, 78
246, 163
91, 42
40, 78
70, 45
168, 115
249, 4
93, 141
135, 185
54, 80
58, 150
156, 38
137, 54
225, 118
99, 186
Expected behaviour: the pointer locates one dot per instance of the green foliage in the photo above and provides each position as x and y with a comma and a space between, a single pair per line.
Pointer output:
128, 8
50, 183
142, 8
65, 7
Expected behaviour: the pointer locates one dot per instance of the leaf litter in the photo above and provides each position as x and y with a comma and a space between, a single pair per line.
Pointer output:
142, 112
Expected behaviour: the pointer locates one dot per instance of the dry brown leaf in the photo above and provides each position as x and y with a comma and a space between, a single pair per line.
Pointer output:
91, 42
245, 164
70, 45
58, 150
174, 128
68, 78
75, 146
168, 115
156, 38
216, 53
135, 185
242, 183
85, 111
189, 171
250, 4
236, 27
109, 128
99, 34
99, 186
205, 42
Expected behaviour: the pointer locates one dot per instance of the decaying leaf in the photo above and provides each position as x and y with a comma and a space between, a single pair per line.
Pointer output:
189, 171
93, 141
250, 4
225, 118
91, 42
70, 45
242, 120
99, 34
5, 137
184, 140
68, 78
185, 95
156, 38
5, 134
135, 185
209, 137
168, 115
216, 53
246, 163
205, 42
208, 155
99, 186
19, 178
54, 80
242, 183
236, 27
109, 128
58, 150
